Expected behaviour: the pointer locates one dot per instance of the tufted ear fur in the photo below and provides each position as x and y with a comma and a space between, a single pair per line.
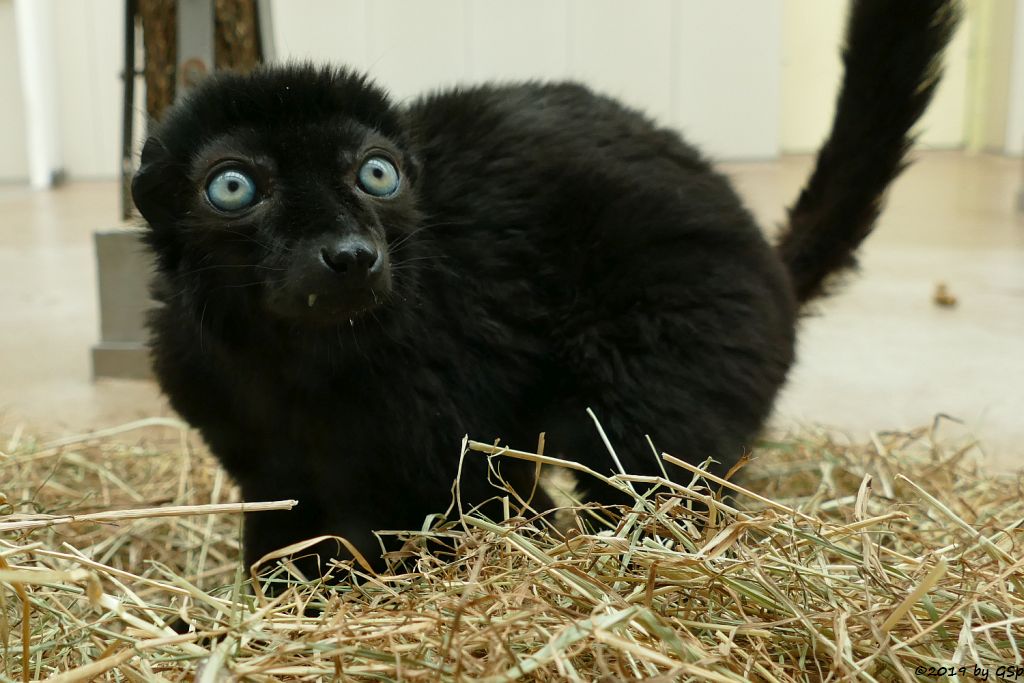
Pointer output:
156, 190
155, 185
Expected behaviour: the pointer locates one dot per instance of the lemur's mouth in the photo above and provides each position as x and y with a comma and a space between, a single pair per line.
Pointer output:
326, 306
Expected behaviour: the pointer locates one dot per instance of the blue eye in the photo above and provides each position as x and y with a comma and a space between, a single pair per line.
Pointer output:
378, 177
231, 191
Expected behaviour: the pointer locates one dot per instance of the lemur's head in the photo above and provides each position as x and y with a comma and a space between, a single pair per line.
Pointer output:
288, 188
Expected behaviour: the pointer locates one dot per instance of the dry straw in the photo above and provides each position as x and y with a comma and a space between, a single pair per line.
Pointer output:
850, 562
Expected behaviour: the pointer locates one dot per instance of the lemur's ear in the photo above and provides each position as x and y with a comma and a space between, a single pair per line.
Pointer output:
156, 183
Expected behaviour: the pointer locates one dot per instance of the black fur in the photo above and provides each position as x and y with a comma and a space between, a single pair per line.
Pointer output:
549, 250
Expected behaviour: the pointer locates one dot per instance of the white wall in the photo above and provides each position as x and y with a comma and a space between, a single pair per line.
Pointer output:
13, 159
945, 123
709, 69
740, 78
729, 76
1015, 117
89, 38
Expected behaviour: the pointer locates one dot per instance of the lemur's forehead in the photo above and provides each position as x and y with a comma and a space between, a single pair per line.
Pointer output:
339, 142
304, 104
297, 137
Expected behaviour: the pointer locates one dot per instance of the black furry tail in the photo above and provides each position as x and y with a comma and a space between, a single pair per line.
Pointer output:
892, 67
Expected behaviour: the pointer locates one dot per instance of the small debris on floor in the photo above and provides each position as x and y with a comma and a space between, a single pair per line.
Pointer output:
943, 297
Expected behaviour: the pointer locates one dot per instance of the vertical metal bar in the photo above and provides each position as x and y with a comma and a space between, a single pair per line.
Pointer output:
195, 43
1020, 196
128, 113
265, 27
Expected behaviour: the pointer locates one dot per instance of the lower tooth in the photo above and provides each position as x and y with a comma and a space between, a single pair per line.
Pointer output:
312, 300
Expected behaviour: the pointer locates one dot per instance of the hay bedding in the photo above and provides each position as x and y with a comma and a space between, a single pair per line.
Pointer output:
861, 562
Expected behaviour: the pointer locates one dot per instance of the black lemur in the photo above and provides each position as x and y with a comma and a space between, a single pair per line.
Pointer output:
346, 285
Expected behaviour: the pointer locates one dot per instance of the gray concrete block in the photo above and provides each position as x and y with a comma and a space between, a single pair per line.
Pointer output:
123, 266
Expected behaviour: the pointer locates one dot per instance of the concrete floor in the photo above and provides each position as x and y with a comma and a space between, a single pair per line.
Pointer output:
880, 355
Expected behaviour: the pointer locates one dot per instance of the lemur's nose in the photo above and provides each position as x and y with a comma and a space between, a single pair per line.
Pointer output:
354, 258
